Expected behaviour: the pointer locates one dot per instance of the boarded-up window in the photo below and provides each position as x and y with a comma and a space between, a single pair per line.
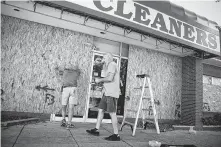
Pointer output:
125, 50
107, 46
211, 80
216, 81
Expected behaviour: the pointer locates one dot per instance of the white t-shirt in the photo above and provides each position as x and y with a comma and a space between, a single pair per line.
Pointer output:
112, 88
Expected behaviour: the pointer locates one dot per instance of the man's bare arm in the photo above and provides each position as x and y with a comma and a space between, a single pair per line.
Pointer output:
107, 79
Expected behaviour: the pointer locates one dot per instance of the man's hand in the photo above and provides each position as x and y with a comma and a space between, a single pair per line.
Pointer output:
107, 79
96, 80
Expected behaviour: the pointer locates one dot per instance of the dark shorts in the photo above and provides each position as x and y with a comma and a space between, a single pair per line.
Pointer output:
108, 104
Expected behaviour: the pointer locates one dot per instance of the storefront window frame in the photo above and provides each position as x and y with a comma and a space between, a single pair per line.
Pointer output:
94, 51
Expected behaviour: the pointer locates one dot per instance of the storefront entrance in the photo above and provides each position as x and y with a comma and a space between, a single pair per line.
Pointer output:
120, 53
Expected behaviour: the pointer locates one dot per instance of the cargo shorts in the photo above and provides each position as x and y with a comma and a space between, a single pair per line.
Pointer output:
108, 104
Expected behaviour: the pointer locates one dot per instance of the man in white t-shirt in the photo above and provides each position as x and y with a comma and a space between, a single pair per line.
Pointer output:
108, 102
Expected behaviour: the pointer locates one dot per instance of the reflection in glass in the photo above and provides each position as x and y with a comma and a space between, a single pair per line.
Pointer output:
123, 76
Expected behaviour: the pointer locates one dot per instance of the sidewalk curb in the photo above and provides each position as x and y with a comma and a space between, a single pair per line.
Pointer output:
14, 122
205, 128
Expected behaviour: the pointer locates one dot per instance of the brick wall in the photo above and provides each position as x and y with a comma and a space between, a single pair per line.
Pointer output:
199, 94
192, 91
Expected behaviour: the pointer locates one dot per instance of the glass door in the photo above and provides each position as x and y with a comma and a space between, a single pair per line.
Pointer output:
123, 77
96, 90
120, 52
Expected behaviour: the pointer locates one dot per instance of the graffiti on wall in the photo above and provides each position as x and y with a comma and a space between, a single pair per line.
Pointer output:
49, 98
177, 111
150, 112
156, 102
2, 93
206, 107
45, 88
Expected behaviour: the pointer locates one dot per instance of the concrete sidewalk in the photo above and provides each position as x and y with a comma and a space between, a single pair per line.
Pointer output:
50, 134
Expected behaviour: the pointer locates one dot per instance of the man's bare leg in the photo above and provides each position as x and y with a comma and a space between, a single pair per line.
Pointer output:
99, 118
70, 113
114, 122
115, 136
98, 124
63, 111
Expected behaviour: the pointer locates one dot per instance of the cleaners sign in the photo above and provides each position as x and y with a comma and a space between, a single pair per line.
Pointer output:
153, 19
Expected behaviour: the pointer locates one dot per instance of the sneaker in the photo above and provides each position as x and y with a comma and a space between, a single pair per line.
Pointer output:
63, 123
93, 132
114, 137
70, 126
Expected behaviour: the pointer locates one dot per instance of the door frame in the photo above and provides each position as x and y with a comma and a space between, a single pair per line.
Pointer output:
99, 53
95, 52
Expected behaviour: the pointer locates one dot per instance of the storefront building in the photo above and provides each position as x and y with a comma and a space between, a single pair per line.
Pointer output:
173, 45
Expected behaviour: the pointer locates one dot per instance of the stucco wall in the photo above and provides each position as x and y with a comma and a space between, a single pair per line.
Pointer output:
29, 54
165, 73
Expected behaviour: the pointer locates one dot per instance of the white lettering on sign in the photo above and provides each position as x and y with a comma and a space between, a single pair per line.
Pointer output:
151, 18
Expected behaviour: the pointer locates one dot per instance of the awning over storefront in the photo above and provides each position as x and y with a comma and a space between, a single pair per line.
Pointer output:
158, 25
159, 19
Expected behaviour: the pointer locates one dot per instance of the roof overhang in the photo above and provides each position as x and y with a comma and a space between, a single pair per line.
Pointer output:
163, 17
112, 22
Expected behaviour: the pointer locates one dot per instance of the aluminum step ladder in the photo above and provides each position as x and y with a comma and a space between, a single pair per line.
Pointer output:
142, 99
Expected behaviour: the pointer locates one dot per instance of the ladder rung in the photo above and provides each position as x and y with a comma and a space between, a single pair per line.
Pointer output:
126, 122
143, 96
146, 98
141, 87
142, 76
147, 109
150, 121
131, 110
